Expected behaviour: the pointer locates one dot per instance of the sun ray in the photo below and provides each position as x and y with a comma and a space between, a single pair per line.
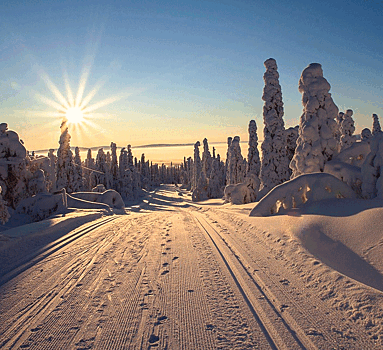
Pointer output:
68, 88
84, 78
92, 93
102, 103
50, 102
54, 89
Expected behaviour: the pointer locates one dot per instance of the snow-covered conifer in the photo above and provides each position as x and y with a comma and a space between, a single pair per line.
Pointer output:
366, 135
347, 129
197, 167
206, 159
375, 125
253, 162
4, 213
291, 142
275, 164
77, 176
316, 143
235, 171
65, 164
114, 166
51, 173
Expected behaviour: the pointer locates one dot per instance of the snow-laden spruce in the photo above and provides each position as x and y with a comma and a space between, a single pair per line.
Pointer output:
291, 142
77, 176
316, 143
275, 164
372, 169
376, 129
366, 135
347, 129
253, 162
235, 165
206, 159
199, 181
65, 165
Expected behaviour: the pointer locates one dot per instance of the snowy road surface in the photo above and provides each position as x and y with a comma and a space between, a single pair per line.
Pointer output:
172, 275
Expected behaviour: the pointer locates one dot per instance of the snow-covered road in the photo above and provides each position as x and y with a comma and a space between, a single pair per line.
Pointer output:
170, 275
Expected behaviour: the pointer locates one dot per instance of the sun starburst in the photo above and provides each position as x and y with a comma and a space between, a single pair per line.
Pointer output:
76, 109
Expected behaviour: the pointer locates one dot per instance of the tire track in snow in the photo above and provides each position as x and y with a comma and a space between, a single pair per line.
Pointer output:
281, 333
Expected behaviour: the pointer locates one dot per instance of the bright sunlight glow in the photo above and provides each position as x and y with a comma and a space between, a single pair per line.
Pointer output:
74, 115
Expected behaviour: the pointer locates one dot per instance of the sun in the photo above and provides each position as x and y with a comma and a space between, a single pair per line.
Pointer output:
74, 115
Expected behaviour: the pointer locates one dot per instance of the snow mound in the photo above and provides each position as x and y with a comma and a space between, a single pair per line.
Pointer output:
303, 189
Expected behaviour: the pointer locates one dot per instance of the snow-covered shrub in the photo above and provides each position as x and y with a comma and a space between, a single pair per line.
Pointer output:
316, 143
275, 164
42, 205
355, 155
372, 169
253, 162
302, 190
242, 193
349, 174
4, 214
347, 129
99, 188
109, 197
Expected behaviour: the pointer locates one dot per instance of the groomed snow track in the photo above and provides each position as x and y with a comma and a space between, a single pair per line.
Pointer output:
280, 329
44, 252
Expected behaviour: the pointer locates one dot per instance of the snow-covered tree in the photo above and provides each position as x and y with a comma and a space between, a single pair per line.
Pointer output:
372, 169
4, 213
316, 143
375, 125
206, 159
236, 168
114, 166
338, 119
51, 171
291, 142
366, 135
65, 165
197, 167
77, 176
253, 162
275, 164
347, 129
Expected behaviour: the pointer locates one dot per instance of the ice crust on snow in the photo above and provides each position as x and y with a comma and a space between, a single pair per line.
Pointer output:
300, 191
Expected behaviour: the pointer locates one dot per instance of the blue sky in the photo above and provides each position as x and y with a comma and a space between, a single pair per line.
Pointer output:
182, 70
